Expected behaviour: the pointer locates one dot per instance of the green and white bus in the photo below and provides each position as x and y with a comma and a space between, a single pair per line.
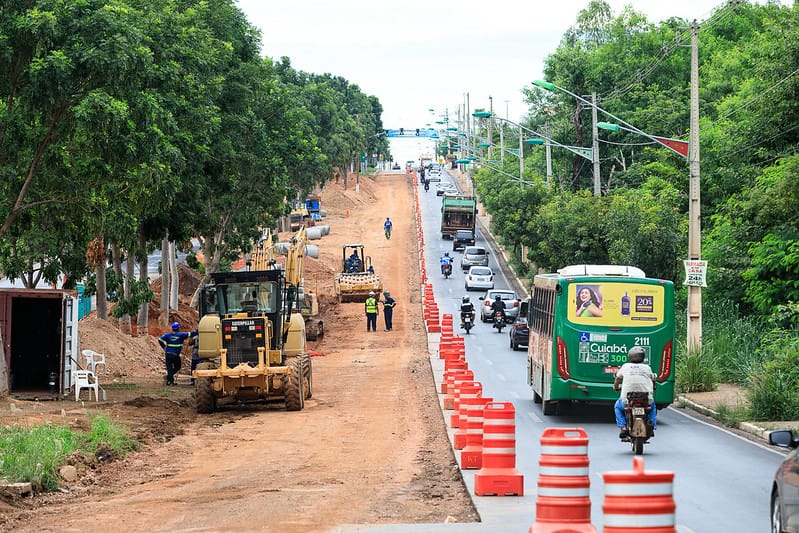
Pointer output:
583, 320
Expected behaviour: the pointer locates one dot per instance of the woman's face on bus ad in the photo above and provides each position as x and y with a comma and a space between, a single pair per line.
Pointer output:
585, 295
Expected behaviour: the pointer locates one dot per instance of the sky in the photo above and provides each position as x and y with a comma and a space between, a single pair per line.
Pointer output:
421, 58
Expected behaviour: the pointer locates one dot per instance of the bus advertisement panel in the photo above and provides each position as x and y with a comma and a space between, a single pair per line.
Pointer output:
581, 328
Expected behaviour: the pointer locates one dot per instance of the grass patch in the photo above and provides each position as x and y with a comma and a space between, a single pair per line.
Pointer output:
731, 416
35, 454
696, 371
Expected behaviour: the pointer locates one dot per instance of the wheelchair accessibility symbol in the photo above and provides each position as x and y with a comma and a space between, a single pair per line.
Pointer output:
585, 336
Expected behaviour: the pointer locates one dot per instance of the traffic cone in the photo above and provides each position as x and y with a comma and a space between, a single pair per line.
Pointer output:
498, 475
638, 501
563, 502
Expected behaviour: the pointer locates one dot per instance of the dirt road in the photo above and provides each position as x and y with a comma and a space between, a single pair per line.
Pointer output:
370, 446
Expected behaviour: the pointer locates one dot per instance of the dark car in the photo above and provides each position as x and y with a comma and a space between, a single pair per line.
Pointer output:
519, 333
784, 490
461, 239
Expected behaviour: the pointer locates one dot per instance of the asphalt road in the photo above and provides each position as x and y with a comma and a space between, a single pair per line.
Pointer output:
721, 482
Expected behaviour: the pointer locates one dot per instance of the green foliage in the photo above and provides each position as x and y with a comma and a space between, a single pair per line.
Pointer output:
774, 388
696, 371
140, 294
106, 434
194, 263
36, 454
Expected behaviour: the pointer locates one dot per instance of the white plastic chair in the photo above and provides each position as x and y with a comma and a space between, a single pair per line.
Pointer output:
93, 359
85, 379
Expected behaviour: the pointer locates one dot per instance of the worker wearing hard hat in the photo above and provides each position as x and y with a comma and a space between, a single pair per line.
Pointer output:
388, 309
371, 312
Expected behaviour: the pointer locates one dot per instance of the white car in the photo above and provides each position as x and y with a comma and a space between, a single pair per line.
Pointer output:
433, 175
479, 277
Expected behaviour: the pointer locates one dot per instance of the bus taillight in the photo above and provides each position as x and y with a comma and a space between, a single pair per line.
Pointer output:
563, 359
665, 362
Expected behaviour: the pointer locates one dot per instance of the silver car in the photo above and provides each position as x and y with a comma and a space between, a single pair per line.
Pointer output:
474, 256
512, 304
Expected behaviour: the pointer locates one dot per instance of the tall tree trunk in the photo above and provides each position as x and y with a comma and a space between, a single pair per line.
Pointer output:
3, 368
102, 292
174, 279
163, 316
142, 322
125, 323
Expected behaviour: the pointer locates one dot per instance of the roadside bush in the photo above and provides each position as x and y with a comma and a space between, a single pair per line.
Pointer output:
697, 371
774, 387
731, 343
35, 454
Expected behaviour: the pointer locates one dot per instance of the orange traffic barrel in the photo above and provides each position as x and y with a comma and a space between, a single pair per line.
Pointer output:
472, 453
468, 391
498, 475
453, 374
470, 410
454, 386
639, 501
564, 501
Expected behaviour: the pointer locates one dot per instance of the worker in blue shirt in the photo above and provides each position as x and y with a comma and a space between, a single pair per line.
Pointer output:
172, 343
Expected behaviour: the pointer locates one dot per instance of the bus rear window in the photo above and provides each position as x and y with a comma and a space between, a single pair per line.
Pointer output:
615, 304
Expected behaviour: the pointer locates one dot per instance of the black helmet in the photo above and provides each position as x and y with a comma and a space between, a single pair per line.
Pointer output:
636, 355
465, 299
497, 297
446, 254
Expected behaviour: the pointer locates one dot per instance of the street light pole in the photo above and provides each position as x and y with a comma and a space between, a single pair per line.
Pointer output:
689, 150
595, 145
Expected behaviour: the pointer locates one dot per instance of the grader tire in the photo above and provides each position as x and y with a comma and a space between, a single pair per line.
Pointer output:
204, 398
295, 397
307, 374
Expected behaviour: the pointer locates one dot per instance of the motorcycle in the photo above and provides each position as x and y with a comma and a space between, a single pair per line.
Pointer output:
446, 269
639, 427
467, 321
426, 186
499, 321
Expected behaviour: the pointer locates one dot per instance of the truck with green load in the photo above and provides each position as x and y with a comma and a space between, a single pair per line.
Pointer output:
457, 213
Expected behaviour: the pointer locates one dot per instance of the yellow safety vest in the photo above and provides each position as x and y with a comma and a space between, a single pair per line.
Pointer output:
371, 305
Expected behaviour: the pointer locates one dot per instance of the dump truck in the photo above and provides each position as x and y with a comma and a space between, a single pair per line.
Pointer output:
357, 277
457, 212
251, 342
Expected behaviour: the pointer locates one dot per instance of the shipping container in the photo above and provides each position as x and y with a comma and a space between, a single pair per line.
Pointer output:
40, 342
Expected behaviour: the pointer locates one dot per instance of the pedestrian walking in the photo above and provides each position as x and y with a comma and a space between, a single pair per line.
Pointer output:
371, 312
388, 309
172, 343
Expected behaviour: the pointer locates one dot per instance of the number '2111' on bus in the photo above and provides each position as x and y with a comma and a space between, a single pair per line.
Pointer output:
583, 321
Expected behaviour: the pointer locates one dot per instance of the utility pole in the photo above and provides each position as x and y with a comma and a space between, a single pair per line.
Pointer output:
694, 328
595, 133
490, 121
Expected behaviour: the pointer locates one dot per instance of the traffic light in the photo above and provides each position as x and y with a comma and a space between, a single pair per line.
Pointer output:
417, 132
402, 131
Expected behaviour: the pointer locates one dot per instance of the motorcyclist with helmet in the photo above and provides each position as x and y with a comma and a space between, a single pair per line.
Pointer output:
498, 306
467, 309
446, 260
634, 376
